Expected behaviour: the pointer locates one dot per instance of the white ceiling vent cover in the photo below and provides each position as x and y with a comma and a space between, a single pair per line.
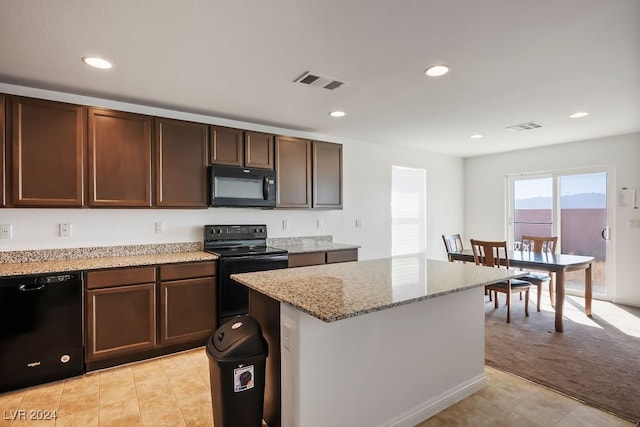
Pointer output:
313, 79
524, 126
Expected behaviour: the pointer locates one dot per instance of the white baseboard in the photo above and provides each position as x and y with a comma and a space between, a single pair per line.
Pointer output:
431, 407
626, 301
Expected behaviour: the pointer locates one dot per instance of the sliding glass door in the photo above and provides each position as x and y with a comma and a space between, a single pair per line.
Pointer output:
572, 206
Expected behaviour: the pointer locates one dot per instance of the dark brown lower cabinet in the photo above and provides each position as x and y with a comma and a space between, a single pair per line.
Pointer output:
120, 320
187, 306
323, 257
133, 313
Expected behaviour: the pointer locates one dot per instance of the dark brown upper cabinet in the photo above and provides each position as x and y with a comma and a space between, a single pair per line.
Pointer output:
2, 151
181, 164
119, 159
258, 150
47, 153
293, 172
235, 147
327, 175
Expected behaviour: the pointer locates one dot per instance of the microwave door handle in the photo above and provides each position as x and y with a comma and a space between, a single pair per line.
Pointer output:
265, 188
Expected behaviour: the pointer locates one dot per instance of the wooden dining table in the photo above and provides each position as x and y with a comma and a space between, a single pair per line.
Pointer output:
552, 263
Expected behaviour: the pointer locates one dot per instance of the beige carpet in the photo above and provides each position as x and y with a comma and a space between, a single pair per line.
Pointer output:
595, 360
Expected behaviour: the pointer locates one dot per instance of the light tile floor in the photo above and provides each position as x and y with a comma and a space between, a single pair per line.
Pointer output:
174, 391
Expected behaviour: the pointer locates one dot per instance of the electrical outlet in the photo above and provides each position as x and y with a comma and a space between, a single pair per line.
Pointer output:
286, 336
5, 231
285, 224
320, 223
358, 223
159, 227
64, 229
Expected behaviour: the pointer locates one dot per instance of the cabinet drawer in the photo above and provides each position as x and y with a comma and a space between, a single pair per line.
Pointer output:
311, 258
342, 256
120, 276
187, 270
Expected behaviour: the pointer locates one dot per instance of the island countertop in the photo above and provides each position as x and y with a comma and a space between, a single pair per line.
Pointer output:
332, 292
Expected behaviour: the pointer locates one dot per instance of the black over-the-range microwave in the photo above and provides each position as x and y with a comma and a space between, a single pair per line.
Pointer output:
234, 186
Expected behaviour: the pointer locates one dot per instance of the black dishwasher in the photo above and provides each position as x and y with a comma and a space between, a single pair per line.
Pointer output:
40, 329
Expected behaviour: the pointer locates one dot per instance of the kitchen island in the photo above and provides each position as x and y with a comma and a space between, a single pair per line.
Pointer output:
370, 343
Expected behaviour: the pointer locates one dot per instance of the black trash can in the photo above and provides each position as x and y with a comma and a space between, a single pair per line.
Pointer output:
237, 353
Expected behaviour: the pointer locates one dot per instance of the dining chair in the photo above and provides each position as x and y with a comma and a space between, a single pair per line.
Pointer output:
452, 243
540, 244
494, 254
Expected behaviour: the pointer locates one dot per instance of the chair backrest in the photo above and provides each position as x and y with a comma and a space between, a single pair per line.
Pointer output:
539, 243
490, 253
452, 243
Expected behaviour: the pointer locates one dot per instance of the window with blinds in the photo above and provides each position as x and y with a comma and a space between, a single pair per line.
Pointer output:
408, 210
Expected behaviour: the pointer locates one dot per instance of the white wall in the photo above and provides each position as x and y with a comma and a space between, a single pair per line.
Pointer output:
484, 201
367, 187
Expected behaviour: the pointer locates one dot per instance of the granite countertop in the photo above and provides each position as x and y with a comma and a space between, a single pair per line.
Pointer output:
297, 245
77, 259
315, 247
332, 292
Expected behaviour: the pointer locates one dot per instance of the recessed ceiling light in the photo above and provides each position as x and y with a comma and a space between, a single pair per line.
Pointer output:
579, 114
436, 71
476, 136
96, 62
337, 114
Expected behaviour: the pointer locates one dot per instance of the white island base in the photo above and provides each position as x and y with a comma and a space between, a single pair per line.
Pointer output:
395, 367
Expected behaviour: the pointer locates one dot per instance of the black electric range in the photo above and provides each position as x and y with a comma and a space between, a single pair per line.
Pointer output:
240, 249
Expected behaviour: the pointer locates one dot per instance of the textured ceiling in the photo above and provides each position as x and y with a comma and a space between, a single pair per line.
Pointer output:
512, 61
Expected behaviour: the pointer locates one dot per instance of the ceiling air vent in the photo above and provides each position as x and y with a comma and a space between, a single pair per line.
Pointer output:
524, 126
317, 80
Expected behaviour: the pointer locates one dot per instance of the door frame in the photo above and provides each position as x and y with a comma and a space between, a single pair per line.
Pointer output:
556, 225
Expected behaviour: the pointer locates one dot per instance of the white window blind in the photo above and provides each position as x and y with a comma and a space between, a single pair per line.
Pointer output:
408, 207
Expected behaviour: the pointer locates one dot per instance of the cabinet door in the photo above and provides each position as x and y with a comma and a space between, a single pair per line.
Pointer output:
119, 159
293, 172
181, 164
188, 310
327, 175
2, 151
258, 150
226, 146
120, 320
48, 153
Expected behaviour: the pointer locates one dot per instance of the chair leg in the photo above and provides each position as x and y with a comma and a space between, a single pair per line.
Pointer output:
508, 307
495, 298
526, 304
552, 295
539, 294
